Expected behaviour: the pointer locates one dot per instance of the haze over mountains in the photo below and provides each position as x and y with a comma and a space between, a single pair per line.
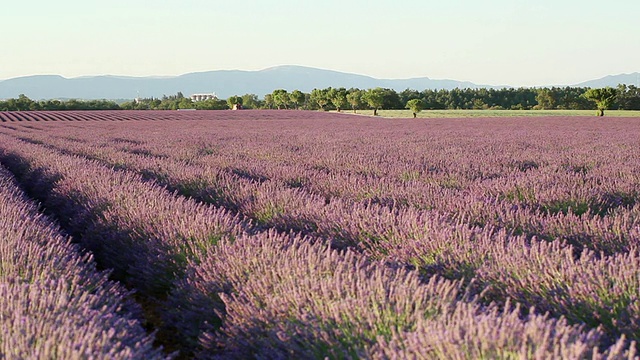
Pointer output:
225, 83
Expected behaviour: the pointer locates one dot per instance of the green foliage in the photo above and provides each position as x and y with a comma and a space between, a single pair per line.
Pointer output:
174, 102
234, 101
391, 100
280, 98
561, 98
320, 97
354, 98
251, 101
546, 99
297, 97
478, 104
409, 94
415, 105
375, 98
268, 101
604, 98
185, 103
24, 103
211, 104
338, 97
628, 97
268, 213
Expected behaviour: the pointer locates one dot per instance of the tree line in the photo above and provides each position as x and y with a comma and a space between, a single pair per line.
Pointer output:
23, 103
623, 97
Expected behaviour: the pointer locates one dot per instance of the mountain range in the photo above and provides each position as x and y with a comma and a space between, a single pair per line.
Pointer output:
225, 83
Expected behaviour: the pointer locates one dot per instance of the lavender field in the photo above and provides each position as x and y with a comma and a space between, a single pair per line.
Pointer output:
305, 235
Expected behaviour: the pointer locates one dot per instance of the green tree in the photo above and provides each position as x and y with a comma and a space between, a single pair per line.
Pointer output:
628, 97
73, 104
239, 102
415, 105
22, 103
479, 104
231, 101
546, 99
297, 97
185, 103
375, 99
391, 100
234, 102
211, 104
268, 101
434, 99
354, 97
308, 104
320, 97
408, 94
280, 98
52, 105
603, 97
250, 101
338, 97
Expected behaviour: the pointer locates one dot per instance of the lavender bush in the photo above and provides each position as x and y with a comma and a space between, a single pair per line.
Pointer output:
291, 298
54, 303
110, 213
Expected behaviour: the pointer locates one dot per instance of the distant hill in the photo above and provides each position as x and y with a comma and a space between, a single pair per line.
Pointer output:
226, 83
613, 81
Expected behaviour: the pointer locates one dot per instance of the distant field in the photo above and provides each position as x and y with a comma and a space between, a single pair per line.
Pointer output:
497, 113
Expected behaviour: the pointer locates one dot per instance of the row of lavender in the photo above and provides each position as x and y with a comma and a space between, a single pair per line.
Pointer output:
526, 198
534, 188
278, 296
54, 304
129, 115
143, 233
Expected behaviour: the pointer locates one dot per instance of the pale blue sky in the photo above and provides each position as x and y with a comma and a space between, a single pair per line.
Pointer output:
498, 42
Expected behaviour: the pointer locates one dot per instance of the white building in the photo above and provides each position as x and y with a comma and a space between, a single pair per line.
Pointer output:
203, 97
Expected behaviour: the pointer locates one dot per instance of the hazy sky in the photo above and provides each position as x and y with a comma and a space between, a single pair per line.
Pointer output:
497, 42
